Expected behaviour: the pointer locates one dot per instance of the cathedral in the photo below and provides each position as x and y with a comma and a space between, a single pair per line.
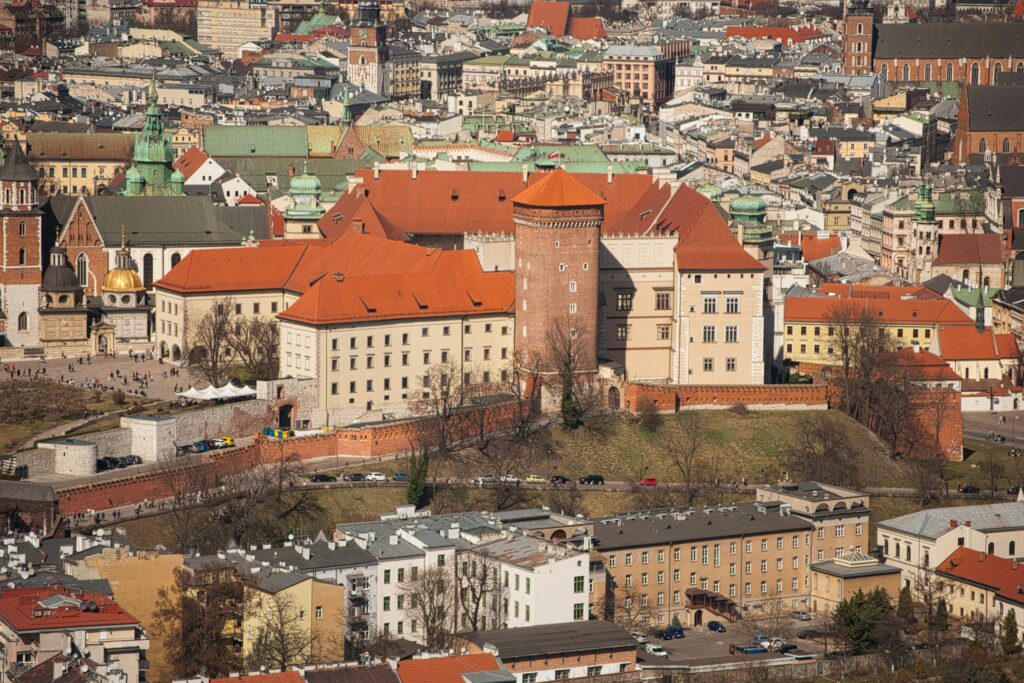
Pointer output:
151, 172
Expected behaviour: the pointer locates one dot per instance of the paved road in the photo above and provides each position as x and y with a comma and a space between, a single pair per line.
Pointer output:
1009, 425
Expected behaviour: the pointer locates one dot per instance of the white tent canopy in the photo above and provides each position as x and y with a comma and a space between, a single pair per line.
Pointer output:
212, 393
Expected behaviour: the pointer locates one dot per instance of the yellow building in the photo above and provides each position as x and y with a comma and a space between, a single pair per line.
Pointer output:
79, 163
310, 611
837, 580
225, 25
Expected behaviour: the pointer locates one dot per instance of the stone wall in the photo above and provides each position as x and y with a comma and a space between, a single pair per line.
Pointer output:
72, 456
111, 442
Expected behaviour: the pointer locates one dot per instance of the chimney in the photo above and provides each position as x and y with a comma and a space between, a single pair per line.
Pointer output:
952, 524
376, 170
526, 173
982, 557
415, 170
609, 174
393, 539
967, 524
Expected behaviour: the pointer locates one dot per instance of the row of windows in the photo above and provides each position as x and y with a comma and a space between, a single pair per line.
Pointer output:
624, 300
353, 386
353, 342
732, 303
831, 330
731, 334
370, 360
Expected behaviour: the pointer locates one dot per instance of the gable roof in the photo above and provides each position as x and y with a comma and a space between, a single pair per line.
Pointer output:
1001, 575
278, 677
885, 311
190, 162
974, 249
553, 17
44, 147
969, 343
948, 41
445, 669
995, 107
555, 640
936, 522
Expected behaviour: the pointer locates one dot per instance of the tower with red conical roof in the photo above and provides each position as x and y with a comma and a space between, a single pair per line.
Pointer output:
558, 224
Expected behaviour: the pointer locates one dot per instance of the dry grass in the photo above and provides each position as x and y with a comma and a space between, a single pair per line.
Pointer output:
14, 433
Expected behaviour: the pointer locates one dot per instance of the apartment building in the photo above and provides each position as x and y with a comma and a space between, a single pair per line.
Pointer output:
918, 542
225, 25
78, 163
518, 580
46, 626
724, 562
642, 71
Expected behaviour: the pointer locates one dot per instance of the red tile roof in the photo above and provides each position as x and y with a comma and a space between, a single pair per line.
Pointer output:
445, 669
279, 677
20, 609
967, 343
887, 311
235, 269
1018, 10
1003, 576
587, 28
855, 291
984, 249
189, 162
553, 17
250, 199
812, 245
786, 34
705, 241
923, 365
558, 189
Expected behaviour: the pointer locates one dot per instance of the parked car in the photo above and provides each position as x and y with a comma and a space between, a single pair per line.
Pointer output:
400, 476
559, 480
736, 648
134, 459
322, 478
376, 476
222, 442
809, 633
970, 488
716, 626
120, 462
786, 647
770, 643
647, 481
639, 637
510, 479
655, 649
801, 616
486, 479
104, 464
592, 480
354, 476
535, 479
1013, 490
672, 632
200, 447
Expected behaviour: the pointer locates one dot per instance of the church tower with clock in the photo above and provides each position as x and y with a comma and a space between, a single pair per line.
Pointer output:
368, 49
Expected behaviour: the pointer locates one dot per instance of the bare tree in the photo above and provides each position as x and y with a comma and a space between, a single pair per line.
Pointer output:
520, 380
209, 352
685, 449
771, 618
569, 355
482, 593
822, 453
507, 459
254, 343
432, 596
282, 637
188, 489
628, 608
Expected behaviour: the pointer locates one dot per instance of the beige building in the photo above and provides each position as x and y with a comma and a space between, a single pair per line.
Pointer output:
729, 561
225, 25
834, 581
79, 163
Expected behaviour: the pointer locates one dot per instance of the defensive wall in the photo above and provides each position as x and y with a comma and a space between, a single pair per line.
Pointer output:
670, 397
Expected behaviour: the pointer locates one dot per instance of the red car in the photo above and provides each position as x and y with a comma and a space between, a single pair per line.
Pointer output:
649, 481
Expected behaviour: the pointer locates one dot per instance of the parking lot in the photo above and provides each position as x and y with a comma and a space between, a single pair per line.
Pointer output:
701, 643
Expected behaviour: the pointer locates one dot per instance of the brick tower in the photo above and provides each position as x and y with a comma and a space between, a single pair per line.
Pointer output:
368, 50
21, 247
858, 38
558, 225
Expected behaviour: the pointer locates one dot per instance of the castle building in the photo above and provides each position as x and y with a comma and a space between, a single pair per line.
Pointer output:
21, 249
123, 310
558, 235
368, 50
63, 315
151, 172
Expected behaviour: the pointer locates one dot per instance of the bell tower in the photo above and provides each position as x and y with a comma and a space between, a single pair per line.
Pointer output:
858, 38
21, 249
368, 49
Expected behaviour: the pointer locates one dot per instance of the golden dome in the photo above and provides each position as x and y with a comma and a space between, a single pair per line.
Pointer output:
122, 280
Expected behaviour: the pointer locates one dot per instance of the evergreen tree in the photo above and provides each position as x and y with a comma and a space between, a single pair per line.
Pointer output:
905, 605
1009, 639
570, 410
941, 616
416, 488
859, 617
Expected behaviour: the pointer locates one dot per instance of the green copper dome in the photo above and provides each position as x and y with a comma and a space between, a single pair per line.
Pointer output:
748, 204
304, 184
712, 192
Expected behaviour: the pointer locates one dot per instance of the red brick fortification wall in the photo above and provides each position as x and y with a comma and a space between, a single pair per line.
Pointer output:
669, 398
373, 440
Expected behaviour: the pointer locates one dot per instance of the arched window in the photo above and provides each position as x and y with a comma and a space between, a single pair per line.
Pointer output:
908, 552
21, 257
906, 72
991, 548
927, 72
175, 259
22, 322
982, 146
82, 269
997, 69
21, 229
966, 275
885, 72
898, 550
1013, 548
986, 282
1006, 145
147, 270
1020, 218
1020, 67
984, 373
975, 74
860, 29
949, 72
